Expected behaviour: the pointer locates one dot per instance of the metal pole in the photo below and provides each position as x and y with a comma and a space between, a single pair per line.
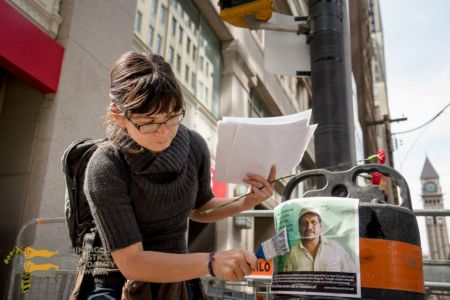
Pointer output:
330, 104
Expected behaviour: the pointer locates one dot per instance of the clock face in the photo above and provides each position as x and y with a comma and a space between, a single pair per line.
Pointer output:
430, 187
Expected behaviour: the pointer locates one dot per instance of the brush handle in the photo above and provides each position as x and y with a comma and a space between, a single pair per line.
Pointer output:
260, 253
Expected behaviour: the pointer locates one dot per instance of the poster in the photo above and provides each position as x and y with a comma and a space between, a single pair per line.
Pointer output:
323, 236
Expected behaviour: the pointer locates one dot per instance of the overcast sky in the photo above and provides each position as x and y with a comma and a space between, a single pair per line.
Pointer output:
417, 51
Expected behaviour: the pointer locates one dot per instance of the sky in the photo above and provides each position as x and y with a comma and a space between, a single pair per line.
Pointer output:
417, 52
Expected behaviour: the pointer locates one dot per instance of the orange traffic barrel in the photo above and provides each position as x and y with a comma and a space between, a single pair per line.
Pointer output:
389, 240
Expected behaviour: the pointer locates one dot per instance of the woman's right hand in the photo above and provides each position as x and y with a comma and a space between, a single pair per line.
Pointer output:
233, 264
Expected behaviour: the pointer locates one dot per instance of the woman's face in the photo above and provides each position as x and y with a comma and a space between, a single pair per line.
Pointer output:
154, 132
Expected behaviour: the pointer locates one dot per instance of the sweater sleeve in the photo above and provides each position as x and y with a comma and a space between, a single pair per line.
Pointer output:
204, 193
107, 194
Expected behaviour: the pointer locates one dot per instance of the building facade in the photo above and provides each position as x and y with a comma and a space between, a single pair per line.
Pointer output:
220, 68
380, 94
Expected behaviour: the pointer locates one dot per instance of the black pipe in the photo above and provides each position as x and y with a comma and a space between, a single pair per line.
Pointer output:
330, 110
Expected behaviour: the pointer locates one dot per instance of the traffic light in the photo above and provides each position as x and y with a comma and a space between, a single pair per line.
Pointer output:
234, 11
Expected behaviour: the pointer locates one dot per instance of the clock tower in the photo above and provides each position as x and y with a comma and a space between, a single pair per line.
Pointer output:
433, 199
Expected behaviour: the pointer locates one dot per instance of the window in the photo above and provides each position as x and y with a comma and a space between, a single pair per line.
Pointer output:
174, 26
194, 52
178, 64
154, 7
201, 63
193, 80
170, 55
180, 34
158, 44
256, 108
163, 14
150, 36
138, 21
188, 45
201, 92
186, 74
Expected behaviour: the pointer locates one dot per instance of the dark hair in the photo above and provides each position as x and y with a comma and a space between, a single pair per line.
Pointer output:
141, 83
310, 213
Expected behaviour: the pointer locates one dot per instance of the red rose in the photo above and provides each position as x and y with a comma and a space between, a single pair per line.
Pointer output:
376, 178
381, 156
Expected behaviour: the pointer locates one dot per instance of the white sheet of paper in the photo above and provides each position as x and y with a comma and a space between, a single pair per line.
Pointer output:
253, 148
304, 115
226, 133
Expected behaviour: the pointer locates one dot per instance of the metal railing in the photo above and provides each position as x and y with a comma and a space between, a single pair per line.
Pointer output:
48, 285
254, 287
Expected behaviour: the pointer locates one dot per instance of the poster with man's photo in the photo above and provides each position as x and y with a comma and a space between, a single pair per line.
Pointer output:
323, 236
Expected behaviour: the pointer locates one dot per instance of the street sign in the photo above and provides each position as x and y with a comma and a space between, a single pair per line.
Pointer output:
263, 268
286, 53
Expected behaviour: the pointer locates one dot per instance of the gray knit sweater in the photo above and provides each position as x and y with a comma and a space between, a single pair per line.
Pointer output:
151, 206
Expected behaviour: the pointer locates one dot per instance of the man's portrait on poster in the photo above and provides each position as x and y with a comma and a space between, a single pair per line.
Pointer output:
314, 252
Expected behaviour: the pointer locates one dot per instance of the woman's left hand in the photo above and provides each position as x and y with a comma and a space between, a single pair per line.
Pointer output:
261, 189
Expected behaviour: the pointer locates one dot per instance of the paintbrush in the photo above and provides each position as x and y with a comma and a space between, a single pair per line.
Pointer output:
233, 200
275, 246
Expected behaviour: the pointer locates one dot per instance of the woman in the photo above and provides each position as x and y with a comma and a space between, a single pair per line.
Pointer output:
142, 220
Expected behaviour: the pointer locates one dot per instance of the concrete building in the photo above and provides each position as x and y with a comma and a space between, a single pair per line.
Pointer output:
369, 70
55, 61
56, 90
380, 93
361, 52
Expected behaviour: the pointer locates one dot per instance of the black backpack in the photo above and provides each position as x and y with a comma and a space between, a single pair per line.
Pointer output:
74, 162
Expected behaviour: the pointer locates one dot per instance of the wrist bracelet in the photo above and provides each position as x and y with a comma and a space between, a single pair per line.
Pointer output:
210, 262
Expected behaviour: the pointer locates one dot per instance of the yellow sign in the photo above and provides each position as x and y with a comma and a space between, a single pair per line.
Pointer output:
16, 251
29, 252
32, 267
29, 266
26, 282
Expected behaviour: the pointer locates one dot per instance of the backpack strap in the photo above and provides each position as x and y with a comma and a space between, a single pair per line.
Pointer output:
82, 270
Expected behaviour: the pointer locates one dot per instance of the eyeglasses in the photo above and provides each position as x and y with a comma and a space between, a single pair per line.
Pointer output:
154, 126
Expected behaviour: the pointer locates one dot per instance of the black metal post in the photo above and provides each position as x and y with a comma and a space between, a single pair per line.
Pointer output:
330, 105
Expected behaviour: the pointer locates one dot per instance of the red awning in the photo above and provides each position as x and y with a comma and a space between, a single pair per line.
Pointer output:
27, 52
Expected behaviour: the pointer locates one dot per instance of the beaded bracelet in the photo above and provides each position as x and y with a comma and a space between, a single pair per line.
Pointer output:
210, 262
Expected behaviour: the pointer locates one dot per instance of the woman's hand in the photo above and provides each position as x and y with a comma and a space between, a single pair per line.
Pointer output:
233, 264
261, 189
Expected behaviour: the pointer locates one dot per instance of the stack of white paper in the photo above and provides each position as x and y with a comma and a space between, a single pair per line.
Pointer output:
253, 145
